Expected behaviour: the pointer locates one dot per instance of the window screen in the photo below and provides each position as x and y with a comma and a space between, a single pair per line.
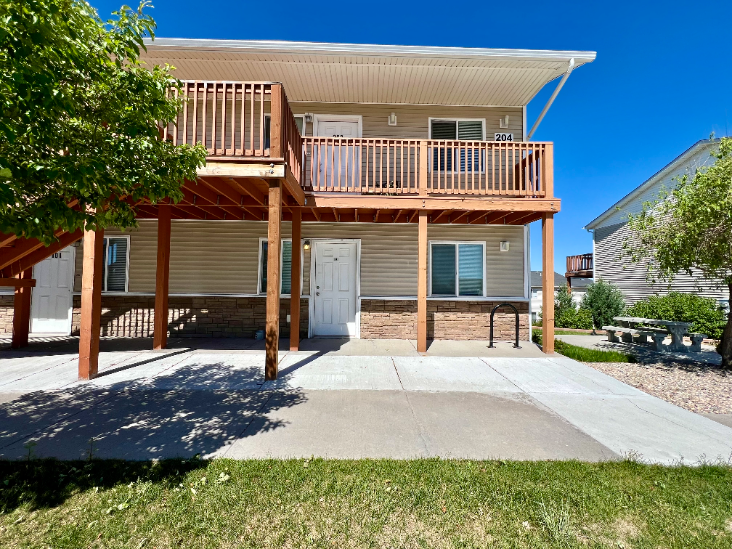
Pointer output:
457, 269
285, 273
114, 271
443, 269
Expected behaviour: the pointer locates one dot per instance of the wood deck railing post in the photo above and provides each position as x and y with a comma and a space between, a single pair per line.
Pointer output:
547, 319
295, 290
21, 312
549, 170
422, 284
272, 329
162, 277
276, 140
91, 303
423, 168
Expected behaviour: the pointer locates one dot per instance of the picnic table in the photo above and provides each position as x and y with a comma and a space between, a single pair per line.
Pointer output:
630, 327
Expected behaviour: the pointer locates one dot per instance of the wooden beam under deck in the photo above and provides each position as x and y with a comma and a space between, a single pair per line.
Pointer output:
274, 240
162, 278
22, 309
547, 320
91, 304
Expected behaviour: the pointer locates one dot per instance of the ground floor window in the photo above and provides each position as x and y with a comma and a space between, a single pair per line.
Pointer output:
285, 266
115, 269
457, 268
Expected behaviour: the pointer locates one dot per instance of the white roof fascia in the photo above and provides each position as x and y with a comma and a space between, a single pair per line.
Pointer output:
371, 50
662, 173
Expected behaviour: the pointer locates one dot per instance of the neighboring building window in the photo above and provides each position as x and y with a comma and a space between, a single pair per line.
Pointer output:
457, 268
457, 130
285, 267
299, 121
115, 269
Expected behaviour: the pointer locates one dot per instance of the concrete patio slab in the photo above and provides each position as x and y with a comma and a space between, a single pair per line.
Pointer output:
451, 374
313, 371
328, 402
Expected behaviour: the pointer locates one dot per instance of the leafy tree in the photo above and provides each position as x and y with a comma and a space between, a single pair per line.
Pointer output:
79, 137
690, 228
563, 300
604, 301
706, 315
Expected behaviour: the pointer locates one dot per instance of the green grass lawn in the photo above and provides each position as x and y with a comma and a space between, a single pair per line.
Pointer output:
365, 503
583, 354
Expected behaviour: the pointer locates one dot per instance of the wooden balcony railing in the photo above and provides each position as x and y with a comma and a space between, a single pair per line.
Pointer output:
247, 120
413, 166
579, 263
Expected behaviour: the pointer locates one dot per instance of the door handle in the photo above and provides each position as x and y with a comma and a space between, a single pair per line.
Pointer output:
317, 293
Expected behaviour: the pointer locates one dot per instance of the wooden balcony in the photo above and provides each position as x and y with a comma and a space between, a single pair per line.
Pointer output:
251, 124
579, 266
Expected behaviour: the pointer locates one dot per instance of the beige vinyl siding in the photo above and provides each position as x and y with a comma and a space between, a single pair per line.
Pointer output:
221, 257
612, 266
413, 120
504, 270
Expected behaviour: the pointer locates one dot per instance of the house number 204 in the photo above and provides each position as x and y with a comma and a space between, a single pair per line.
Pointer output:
503, 136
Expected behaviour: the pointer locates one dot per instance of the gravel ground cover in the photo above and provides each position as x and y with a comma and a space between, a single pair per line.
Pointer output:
700, 388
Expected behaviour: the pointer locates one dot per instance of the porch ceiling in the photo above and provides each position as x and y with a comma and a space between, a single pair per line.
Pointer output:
359, 73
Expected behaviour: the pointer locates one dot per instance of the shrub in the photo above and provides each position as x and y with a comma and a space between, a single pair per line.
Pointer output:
604, 301
579, 319
585, 355
707, 316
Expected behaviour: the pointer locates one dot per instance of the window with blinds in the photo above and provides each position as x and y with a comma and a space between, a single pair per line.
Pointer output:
457, 269
285, 267
114, 269
444, 158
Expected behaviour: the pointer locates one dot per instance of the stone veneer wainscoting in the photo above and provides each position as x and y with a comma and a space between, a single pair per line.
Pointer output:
396, 319
208, 316
6, 313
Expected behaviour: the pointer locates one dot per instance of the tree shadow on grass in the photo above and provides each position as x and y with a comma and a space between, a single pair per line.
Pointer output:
49, 483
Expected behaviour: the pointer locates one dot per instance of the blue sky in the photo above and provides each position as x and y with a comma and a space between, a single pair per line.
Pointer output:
661, 81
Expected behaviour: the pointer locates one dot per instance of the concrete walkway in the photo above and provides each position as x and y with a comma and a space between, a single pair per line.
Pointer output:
507, 403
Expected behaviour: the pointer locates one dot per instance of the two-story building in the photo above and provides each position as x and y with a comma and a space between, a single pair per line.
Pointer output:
350, 190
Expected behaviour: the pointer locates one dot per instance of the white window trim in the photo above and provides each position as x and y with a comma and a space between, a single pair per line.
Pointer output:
319, 118
263, 291
456, 243
127, 265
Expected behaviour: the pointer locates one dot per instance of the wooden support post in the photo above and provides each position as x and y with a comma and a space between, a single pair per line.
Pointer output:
547, 319
162, 277
91, 303
272, 329
422, 284
21, 312
295, 290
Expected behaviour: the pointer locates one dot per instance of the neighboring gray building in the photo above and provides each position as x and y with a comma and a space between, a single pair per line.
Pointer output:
579, 285
610, 231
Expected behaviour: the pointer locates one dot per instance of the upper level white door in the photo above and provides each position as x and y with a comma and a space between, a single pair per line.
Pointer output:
335, 289
51, 299
339, 163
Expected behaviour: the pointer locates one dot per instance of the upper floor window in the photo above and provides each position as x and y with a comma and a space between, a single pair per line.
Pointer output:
444, 158
299, 121
115, 268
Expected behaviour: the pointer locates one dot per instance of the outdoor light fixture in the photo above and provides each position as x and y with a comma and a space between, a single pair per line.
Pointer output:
503, 122
308, 117
306, 245
504, 246
392, 119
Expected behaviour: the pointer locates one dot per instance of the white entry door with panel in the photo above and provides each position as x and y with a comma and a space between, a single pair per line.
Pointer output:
335, 289
339, 163
51, 303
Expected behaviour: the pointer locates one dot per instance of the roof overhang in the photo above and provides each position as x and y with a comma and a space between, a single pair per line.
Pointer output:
361, 73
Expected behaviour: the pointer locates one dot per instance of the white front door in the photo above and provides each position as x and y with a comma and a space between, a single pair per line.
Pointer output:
339, 164
335, 289
51, 299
